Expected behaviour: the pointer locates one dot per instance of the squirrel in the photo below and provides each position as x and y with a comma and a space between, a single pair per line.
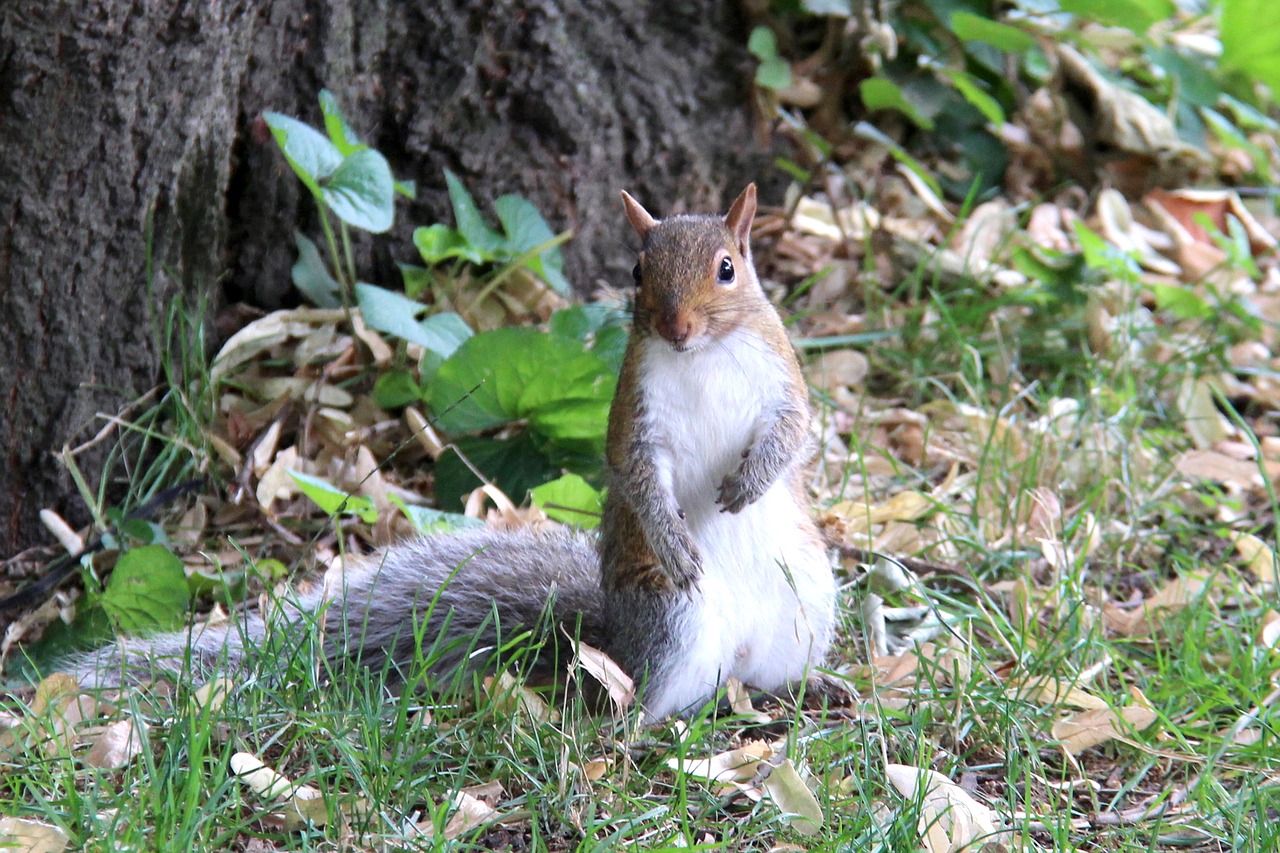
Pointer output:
708, 564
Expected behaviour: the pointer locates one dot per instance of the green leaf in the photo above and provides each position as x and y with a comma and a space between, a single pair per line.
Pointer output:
972, 92
430, 522
309, 154
335, 124
417, 280
515, 465
333, 500
408, 189
522, 374
773, 73
361, 191
880, 93
394, 314
570, 499
1181, 301
437, 243
970, 27
1134, 15
763, 44
311, 275
834, 8
395, 389
470, 223
527, 230
147, 591
869, 131
1251, 40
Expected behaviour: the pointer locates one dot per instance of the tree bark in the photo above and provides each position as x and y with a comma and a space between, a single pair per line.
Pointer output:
119, 117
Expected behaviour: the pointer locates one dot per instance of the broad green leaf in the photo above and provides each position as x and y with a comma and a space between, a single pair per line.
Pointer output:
835, 8
1251, 39
437, 243
527, 230
147, 591
361, 191
417, 280
308, 152
429, 522
522, 374
1134, 15
976, 95
470, 223
773, 73
763, 44
335, 124
515, 465
333, 500
394, 313
880, 93
395, 389
311, 275
603, 328
1181, 301
570, 499
970, 27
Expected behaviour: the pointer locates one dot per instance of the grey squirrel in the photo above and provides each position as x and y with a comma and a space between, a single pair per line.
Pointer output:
708, 563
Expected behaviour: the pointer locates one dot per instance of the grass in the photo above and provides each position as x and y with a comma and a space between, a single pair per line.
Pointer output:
1049, 513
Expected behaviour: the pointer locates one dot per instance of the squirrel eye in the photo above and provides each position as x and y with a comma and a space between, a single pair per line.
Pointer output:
635, 274
725, 275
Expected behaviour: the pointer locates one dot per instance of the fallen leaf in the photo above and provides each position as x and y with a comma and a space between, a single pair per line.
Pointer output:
950, 818
1259, 557
31, 836
118, 744
736, 765
800, 808
601, 667
1090, 728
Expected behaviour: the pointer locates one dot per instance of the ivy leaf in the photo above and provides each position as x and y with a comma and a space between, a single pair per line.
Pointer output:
526, 230
333, 500
308, 152
361, 191
430, 522
570, 499
335, 124
311, 276
394, 314
970, 27
1251, 39
437, 243
147, 591
522, 374
1134, 15
880, 93
472, 225
515, 465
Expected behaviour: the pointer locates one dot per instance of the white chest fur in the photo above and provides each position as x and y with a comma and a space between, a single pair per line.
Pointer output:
764, 608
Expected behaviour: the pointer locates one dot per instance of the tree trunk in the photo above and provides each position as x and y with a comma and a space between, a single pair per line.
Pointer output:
115, 114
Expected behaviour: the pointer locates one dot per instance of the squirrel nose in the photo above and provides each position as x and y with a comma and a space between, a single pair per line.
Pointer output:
676, 330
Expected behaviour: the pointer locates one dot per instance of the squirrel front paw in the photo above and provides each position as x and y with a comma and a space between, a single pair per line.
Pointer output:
682, 560
741, 488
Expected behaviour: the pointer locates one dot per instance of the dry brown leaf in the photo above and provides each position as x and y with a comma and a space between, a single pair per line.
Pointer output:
1269, 631
31, 836
118, 744
72, 542
301, 804
601, 667
510, 696
1090, 728
1057, 692
1259, 557
1203, 422
950, 818
1219, 467
1185, 207
276, 484
1148, 618
835, 370
800, 808
734, 766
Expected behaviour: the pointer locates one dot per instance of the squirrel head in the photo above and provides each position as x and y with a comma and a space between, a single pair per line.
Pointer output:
694, 278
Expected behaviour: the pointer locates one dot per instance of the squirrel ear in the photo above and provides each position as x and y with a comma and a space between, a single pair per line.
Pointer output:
640, 218
740, 217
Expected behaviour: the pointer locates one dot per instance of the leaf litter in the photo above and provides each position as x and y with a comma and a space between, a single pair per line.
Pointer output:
1075, 505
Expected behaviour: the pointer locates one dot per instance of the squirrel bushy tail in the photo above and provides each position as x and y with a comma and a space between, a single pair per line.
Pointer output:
453, 600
